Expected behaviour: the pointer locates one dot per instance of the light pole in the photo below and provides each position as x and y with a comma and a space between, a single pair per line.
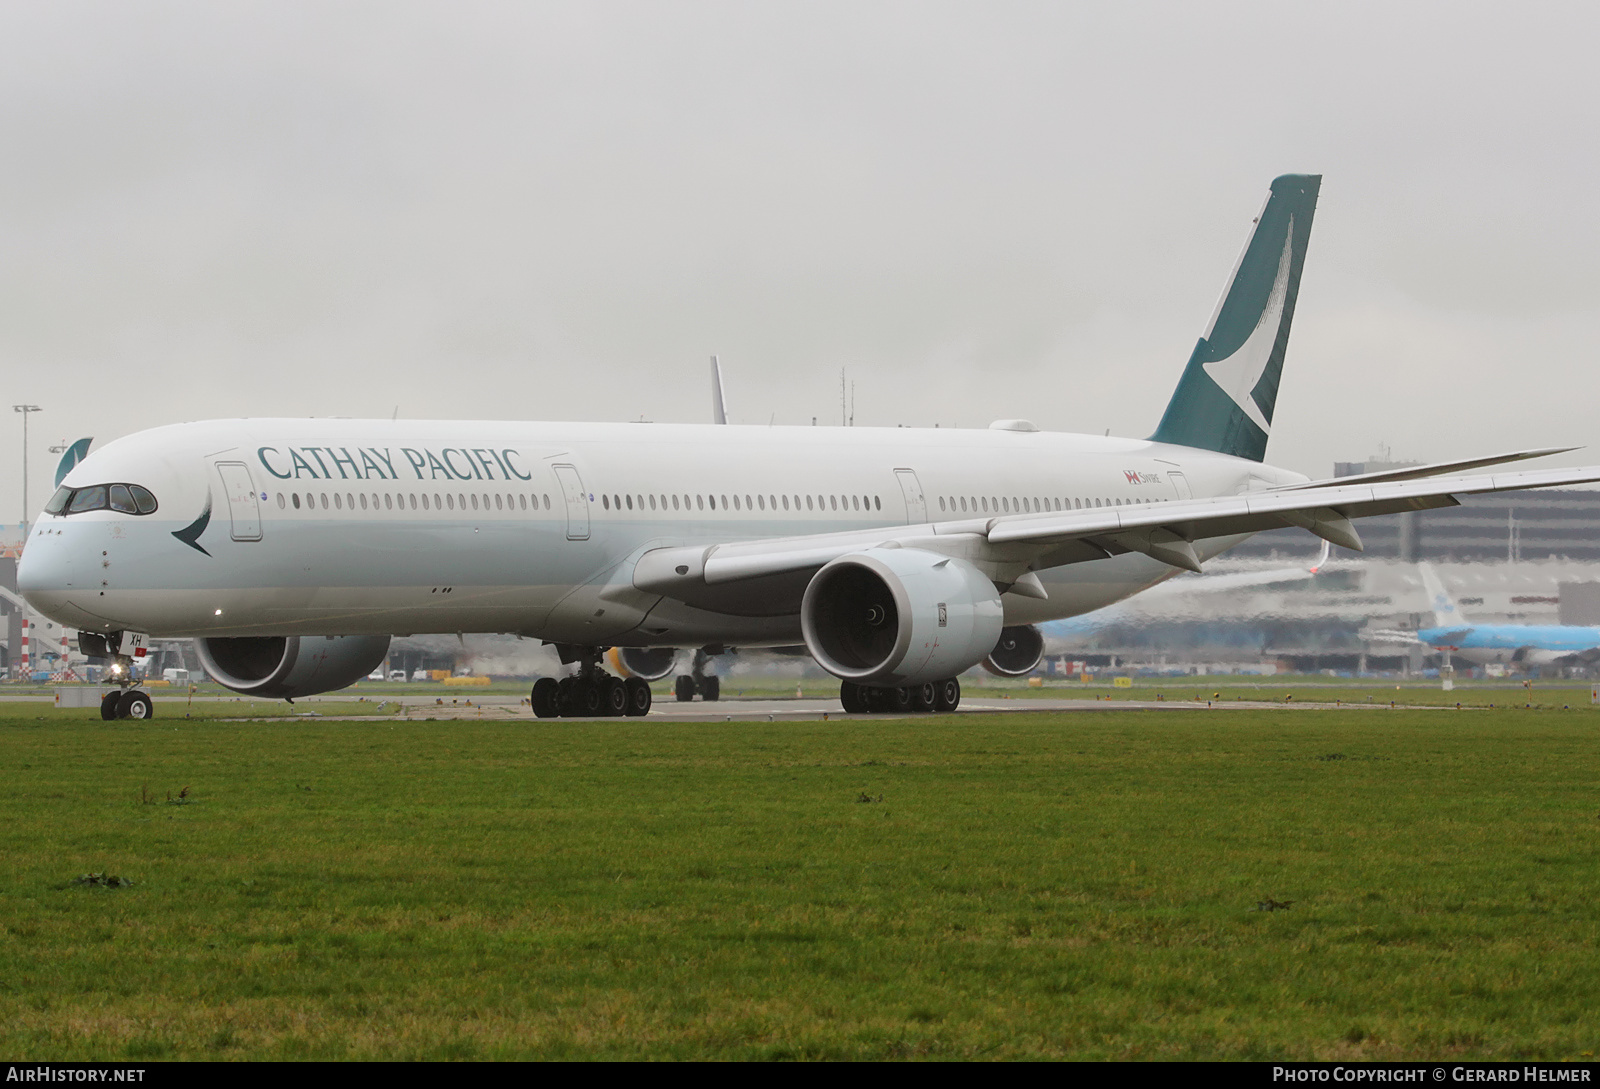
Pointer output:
21, 665
25, 410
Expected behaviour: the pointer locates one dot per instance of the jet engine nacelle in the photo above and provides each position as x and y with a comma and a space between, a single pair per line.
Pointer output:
283, 667
1017, 654
646, 663
899, 616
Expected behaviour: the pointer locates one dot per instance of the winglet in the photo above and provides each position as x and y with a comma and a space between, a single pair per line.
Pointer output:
719, 412
1225, 399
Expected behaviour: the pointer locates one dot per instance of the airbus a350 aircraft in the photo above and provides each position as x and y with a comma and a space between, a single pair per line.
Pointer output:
292, 550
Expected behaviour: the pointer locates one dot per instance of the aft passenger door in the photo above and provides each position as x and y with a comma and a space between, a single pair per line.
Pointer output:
577, 498
243, 505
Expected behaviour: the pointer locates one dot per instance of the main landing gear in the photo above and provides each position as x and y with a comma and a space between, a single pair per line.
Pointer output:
591, 692
914, 699
708, 686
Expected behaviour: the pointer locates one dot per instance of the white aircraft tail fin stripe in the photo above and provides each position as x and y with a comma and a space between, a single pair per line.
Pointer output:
1445, 612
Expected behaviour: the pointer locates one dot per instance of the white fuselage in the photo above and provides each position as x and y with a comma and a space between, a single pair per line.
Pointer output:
347, 527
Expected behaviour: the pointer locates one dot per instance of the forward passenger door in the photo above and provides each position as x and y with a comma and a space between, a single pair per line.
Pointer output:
243, 505
577, 499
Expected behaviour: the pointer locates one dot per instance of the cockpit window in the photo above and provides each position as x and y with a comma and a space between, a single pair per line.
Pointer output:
124, 498
88, 499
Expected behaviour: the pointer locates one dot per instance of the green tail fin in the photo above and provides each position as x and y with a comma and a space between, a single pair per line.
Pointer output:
1224, 400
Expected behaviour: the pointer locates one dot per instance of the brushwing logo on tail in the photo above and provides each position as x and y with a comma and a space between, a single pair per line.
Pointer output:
1239, 374
1225, 399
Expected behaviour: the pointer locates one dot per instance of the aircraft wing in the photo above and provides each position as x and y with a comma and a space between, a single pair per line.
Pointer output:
1438, 468
1007, 548
1241, 580
1390, 635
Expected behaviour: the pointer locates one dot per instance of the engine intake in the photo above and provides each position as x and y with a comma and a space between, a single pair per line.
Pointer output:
1017, 654
899, 616
646, 663
283, 667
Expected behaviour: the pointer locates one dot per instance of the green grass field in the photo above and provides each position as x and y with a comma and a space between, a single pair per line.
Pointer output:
1009, 886
1501, 693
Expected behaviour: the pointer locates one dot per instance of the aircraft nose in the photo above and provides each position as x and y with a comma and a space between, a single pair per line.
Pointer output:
45, 571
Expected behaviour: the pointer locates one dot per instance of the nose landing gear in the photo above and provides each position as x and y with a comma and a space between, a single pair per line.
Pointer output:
124, 701
135, 704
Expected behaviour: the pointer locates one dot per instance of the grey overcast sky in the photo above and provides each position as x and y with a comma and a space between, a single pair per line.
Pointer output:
979, 210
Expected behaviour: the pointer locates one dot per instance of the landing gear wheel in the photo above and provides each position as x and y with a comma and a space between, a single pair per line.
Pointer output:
135, 705
899, 700
543, 698
924, 697
877, 699
586, 699
109, 703
947, 694
565, 691
853, 697
711, 689
613, 696
684, 689
639, 697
